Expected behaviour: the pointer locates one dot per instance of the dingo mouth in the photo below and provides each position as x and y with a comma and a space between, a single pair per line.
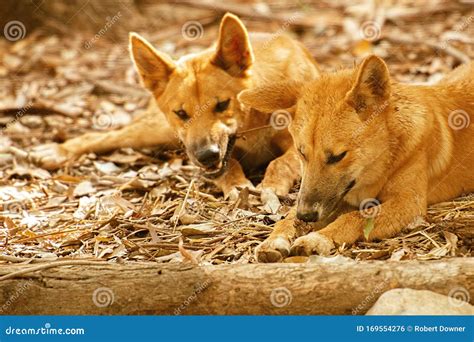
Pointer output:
222, 167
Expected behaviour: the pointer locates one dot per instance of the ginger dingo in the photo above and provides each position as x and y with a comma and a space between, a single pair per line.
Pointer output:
198, 97
374, 153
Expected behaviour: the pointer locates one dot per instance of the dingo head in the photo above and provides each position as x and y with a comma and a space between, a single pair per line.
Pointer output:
198, 92
339, 131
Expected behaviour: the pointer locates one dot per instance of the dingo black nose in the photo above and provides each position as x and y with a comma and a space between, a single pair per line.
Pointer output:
312, 216
209, 156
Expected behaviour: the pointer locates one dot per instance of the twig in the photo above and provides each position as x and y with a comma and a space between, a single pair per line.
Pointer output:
51, 265
460, 56
243, 133
245, 11
10, 258
115, 88
183, 205
46, 234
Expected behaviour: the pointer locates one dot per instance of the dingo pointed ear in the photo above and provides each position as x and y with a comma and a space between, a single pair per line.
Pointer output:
268, 98
372, 85
153, 67
234, 52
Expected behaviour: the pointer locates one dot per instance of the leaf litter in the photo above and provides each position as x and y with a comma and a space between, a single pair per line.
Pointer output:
152, 205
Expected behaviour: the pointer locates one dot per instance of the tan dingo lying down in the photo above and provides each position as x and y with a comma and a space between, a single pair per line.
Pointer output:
367, 141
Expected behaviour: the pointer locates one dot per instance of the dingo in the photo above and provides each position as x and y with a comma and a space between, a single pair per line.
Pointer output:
369, 143
198, 96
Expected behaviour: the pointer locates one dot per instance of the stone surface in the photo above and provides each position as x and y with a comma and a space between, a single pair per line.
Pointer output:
422, 302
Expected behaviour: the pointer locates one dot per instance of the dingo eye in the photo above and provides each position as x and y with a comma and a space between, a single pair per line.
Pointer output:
222, 106
182, 114
336, 158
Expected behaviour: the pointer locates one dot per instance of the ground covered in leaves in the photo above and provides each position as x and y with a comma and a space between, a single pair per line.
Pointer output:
152, 205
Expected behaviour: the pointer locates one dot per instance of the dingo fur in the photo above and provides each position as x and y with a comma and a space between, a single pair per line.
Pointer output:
374, 153
198, 97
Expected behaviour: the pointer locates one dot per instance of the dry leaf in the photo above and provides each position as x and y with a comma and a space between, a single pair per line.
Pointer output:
186, 254
84, 188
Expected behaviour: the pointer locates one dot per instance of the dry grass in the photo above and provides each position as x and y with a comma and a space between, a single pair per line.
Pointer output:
138, 213
152, 205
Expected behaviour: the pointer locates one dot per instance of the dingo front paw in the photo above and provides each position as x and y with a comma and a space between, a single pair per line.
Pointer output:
312, 243
273, 249
49, 156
